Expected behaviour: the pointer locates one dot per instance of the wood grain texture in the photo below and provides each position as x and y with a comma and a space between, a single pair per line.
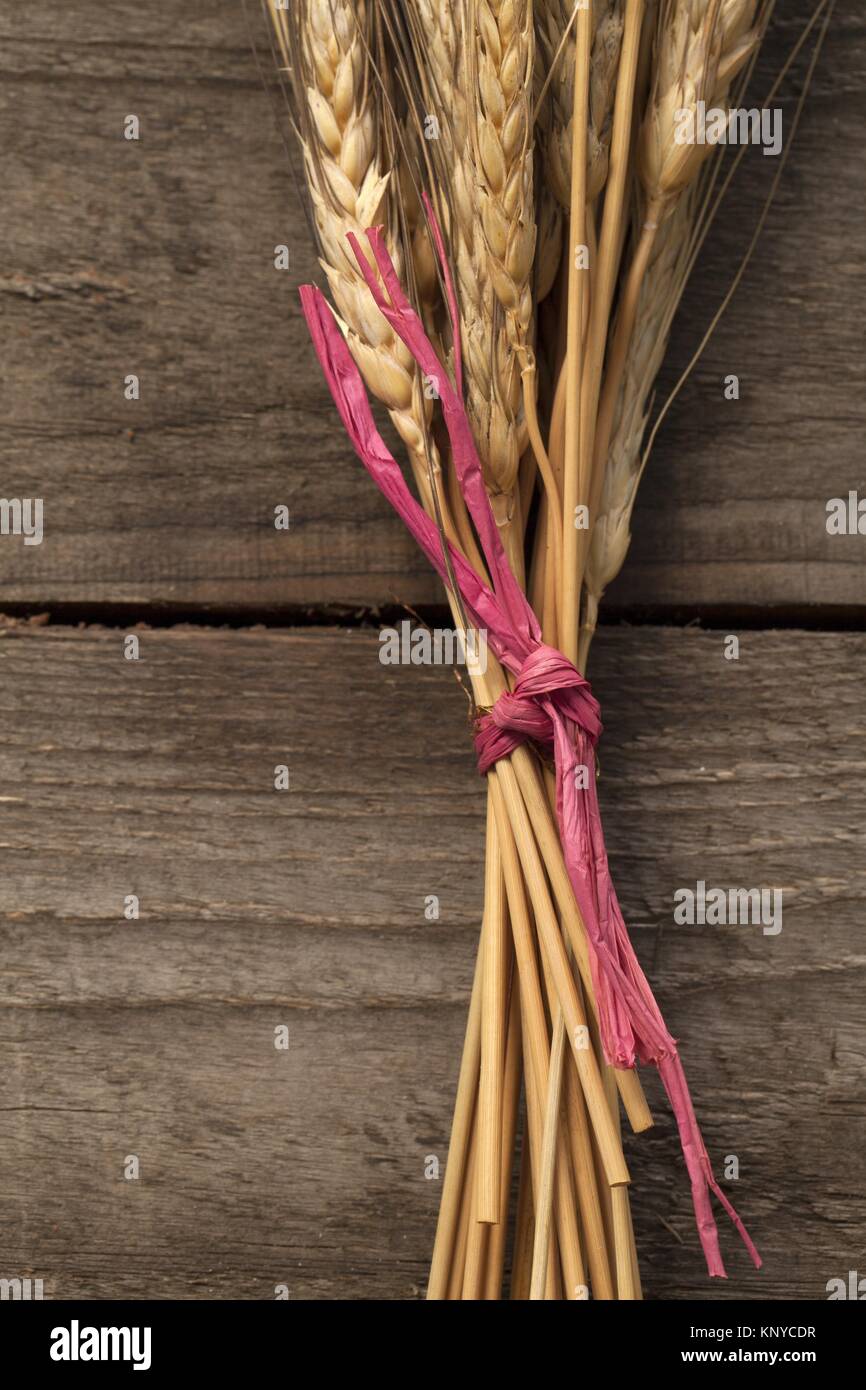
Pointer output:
156, 257
306, 908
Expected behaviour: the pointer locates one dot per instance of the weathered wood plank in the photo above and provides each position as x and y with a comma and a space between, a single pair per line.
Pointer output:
156, 258
306, 908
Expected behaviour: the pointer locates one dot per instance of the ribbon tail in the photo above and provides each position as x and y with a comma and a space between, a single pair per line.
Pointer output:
630, 1018
700, 1172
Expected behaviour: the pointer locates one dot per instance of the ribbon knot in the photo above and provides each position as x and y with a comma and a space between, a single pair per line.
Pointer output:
546, 684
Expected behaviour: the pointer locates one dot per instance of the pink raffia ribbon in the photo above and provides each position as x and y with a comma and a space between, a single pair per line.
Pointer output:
550, 705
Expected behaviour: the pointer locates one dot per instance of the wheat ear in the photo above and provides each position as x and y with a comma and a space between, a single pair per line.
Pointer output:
327, 45
659, 298
555, 19
700, 48
446, 44
698, 56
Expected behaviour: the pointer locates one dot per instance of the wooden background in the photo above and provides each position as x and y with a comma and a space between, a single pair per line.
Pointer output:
155, 1037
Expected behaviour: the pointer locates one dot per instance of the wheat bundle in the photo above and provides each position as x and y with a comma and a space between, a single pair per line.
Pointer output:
466, 161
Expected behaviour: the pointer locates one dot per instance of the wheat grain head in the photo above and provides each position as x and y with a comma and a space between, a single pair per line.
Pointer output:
553, 18
700, 47
327, 44
659, 298
454, 43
